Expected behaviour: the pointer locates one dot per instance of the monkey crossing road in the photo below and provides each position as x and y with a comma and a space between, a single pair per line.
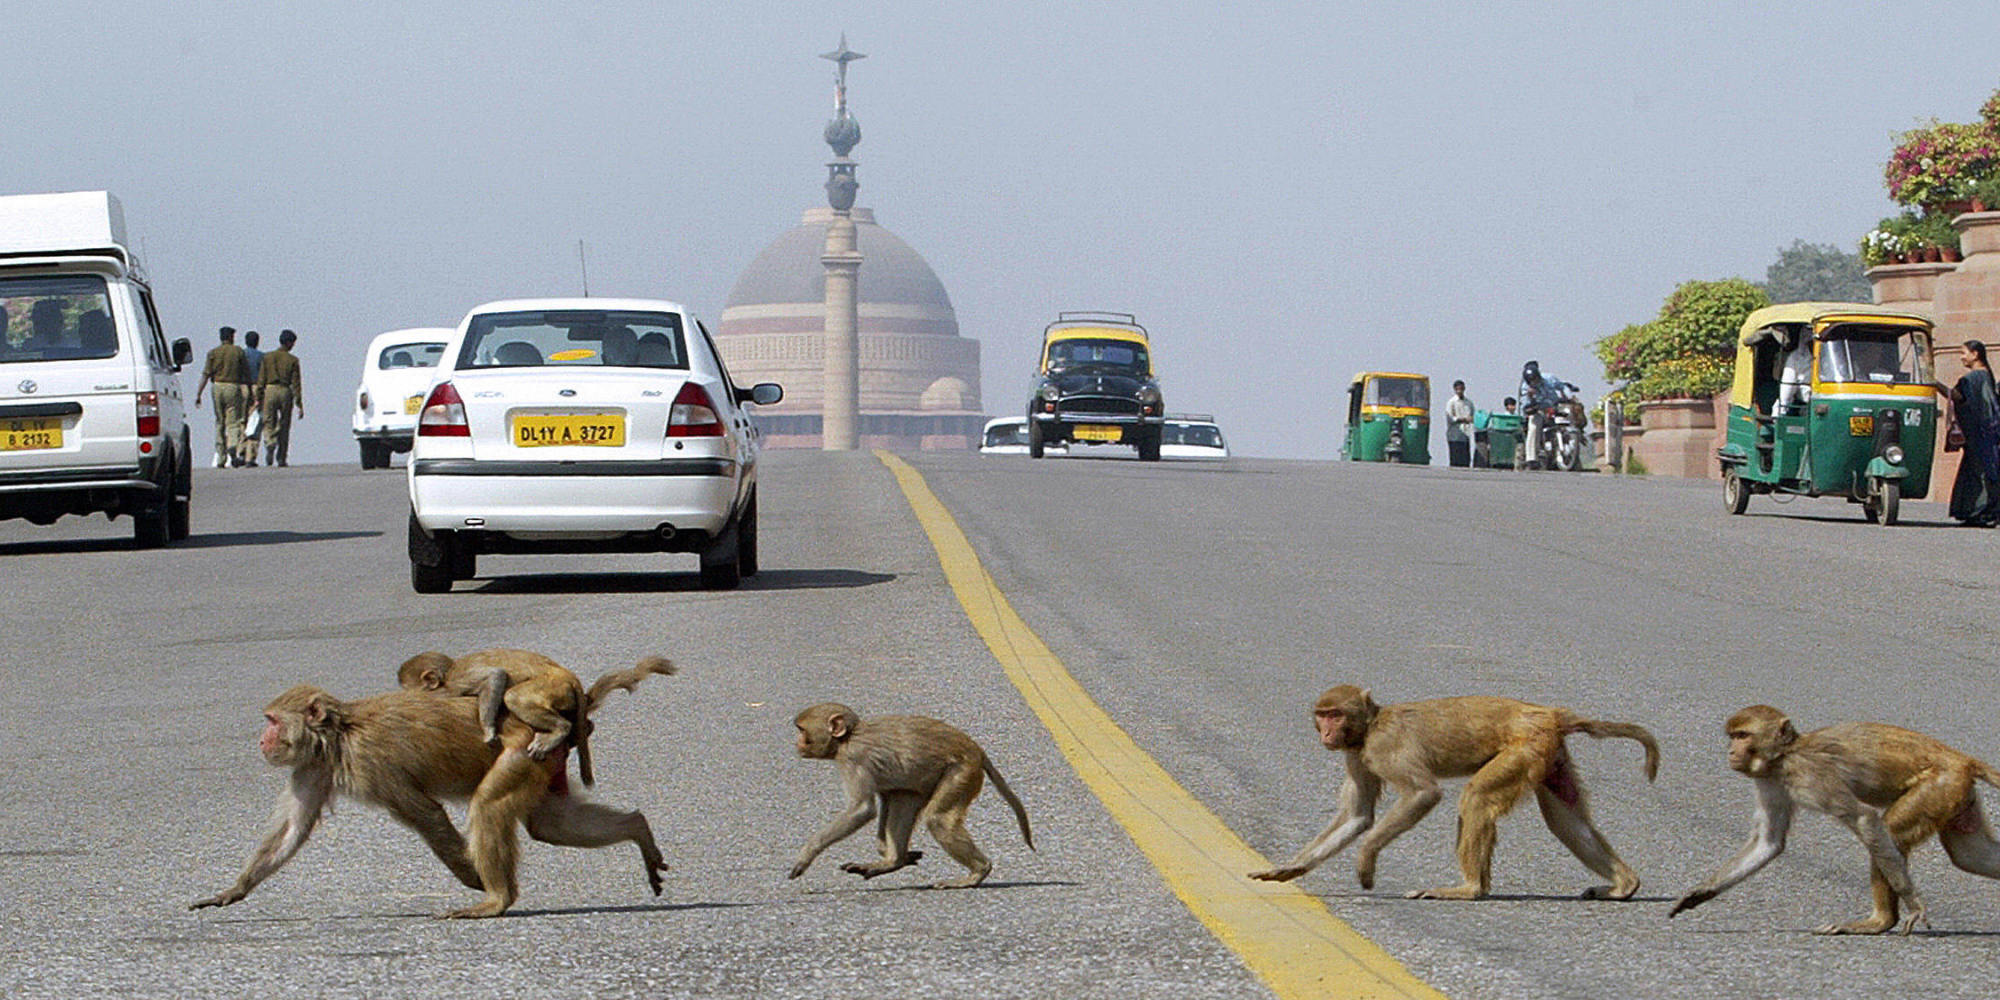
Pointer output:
1202, 608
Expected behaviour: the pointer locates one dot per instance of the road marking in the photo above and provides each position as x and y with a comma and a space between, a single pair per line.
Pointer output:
1288, 938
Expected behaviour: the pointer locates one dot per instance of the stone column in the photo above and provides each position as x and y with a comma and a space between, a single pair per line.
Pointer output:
841, 412
1965, 304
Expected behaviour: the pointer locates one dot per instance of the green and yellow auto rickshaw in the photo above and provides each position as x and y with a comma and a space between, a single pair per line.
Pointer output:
1388, 418
1831, 399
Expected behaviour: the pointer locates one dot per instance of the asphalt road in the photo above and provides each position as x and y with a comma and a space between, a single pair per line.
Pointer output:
1203, 606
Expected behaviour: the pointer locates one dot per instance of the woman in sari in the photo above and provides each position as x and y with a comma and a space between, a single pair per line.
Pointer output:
1975, 495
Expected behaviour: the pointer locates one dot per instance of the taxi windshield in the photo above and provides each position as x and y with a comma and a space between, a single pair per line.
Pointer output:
1884, 355
1123, 356
1391, 391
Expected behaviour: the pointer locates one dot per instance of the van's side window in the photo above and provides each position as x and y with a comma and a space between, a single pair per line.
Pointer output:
156, 346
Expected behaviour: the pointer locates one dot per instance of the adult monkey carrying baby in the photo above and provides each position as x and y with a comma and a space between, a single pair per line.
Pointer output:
1506, 746
406, 750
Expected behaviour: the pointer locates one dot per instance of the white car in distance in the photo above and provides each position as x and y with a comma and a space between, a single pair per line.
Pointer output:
1192, 436
583, 425
394, 378
1009, 436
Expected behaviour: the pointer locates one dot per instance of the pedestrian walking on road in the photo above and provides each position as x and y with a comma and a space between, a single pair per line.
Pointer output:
254, 360
278, 390
1458, 427
1975, 494
225, 368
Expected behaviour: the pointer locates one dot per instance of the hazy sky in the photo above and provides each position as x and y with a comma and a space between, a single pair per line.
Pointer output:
1284, 193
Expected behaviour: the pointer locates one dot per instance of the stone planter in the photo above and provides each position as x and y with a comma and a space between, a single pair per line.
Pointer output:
1908, 286
1678, 438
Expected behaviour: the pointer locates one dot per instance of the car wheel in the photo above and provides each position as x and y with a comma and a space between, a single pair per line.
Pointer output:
721, 565
1735, 495
1034, 438
180, 508
430, 560
464, 562
746, 539
1149, 444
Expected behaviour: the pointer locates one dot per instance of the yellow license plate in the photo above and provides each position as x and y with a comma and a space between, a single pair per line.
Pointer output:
411, 404
31, 434
1861, 426
1098, 432
601, 430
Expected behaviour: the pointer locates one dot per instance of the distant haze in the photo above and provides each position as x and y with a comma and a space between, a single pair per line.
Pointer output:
1284, 194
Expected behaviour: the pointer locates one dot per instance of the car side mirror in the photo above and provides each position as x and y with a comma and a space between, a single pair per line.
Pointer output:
183, 352
763, 394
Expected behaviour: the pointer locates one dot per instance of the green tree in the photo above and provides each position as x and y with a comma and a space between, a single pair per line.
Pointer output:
1814, 272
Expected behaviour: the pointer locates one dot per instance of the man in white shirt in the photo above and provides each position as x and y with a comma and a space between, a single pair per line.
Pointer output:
1458, 426
1795, 377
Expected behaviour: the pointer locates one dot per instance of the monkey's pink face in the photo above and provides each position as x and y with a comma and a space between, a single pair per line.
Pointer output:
810, 747
1332, 726
276, 747
1743, 755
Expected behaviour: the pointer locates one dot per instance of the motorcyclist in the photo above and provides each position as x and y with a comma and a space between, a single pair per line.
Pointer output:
1540, 395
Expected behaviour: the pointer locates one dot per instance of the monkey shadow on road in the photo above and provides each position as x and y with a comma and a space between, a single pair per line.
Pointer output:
579, 911
651, 583
214, 540
928, 887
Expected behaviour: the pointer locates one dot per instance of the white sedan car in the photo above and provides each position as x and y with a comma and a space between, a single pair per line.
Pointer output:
394, 377
583, 425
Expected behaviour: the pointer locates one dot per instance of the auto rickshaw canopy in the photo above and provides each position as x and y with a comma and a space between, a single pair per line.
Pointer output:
1816, 317
1370, 396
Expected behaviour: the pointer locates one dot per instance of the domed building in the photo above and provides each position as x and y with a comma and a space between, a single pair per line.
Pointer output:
919, 380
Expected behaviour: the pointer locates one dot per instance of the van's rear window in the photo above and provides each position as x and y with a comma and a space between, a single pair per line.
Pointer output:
55, 318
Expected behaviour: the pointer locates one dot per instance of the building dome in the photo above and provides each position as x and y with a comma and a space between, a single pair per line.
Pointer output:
789, 273
947, 393
912, 359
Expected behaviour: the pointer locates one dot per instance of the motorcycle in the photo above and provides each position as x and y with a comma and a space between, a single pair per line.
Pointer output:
1556, 433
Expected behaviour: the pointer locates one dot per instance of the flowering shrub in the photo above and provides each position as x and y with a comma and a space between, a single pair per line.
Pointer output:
1940, 162
1689, 349
1891, 238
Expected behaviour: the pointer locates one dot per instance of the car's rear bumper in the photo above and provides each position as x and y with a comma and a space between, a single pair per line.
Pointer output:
691, 494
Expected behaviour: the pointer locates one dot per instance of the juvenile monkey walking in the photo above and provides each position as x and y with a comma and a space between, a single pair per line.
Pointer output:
1507, 747
901, 767
1891, 786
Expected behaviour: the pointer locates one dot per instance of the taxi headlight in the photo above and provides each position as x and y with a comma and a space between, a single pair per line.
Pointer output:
1893, 454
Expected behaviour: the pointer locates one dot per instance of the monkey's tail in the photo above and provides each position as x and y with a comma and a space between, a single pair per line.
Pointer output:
1020, 813
1625, 730
624, 680
579, 737
1988, 774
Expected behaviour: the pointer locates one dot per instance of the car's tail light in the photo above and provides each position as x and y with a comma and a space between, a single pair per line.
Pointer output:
149, 414
364, 402
444, 414
694, 414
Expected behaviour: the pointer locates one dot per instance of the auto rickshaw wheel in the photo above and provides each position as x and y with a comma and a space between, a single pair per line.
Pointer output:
1890, 499
1735, 493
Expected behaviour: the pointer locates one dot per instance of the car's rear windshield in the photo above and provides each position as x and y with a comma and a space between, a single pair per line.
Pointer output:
1104, 355
55, 318
576, 338
410, 356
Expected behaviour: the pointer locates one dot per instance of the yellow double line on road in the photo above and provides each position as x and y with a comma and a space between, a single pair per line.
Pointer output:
1286, 937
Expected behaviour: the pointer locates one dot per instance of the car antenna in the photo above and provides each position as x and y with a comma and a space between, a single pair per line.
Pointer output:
583, 265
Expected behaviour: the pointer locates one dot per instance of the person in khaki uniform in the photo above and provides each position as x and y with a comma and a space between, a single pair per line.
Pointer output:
226, 368
254, 358
278, 390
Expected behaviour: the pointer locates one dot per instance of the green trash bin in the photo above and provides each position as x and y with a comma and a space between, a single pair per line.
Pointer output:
1503, 438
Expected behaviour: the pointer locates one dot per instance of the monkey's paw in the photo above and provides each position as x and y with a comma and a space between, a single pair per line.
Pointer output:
1285, 874
1690, 901
225, 898
798, 869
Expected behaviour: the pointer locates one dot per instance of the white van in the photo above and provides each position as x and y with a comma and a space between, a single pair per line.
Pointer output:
91, 415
